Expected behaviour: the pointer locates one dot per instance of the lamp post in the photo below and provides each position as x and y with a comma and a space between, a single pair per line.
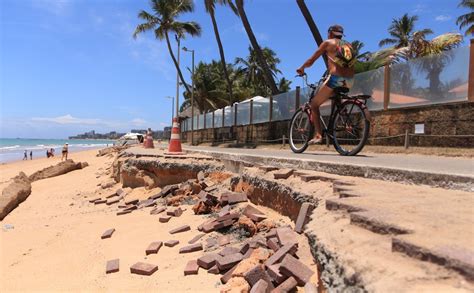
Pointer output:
177, 78
172, 107
192, 94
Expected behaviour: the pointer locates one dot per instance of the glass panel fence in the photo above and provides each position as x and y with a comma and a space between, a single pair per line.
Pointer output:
283, 106
195, 121
243, 113
430, 80
370, 83
201, 122
218, 118
209, 120
261, 109
228, 116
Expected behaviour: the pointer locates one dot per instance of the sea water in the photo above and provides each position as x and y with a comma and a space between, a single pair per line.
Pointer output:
12, 149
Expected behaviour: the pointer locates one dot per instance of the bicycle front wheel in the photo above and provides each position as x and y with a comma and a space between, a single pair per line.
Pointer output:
350, 129
301, 131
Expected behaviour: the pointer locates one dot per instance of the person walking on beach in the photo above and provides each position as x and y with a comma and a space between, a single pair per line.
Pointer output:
25, 156
31, 155
65, 151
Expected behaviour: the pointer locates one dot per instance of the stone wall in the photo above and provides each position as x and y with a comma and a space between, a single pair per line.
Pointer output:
444, 119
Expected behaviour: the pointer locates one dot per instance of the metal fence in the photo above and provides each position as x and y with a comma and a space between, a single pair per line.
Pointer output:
424, 81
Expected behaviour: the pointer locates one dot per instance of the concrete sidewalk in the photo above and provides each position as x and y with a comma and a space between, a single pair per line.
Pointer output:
446, 172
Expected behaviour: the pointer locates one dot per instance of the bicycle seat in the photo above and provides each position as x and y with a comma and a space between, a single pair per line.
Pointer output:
341, 90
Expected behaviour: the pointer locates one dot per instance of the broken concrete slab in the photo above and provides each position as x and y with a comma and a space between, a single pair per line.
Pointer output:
154, 247
145, 269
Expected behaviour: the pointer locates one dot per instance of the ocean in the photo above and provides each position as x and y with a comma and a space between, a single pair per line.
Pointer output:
12, 149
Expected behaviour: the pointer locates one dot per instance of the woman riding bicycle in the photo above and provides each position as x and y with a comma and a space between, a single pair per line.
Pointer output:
341, 59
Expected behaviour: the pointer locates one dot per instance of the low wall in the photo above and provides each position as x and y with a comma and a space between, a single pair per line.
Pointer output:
442, 119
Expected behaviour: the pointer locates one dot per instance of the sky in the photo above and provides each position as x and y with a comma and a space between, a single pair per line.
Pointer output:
71, 66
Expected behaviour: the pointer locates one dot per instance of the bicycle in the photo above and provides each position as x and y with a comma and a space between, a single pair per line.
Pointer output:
348, 124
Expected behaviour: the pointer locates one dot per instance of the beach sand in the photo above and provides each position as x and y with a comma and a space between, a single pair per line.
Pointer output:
55, 244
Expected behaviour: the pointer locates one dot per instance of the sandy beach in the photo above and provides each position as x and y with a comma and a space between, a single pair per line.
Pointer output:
55, 242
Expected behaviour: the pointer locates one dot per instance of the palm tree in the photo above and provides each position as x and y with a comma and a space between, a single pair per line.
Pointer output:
210, 8
253, 72
284, 85
312, 26
260, 58
402, 31
163, 21
466, 20
357, 46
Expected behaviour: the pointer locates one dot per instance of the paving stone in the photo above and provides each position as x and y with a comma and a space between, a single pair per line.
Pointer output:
260, 287
232, 216
196, 238
224, 211
248, 253
257, 273
207, 261
229, 250
310, 288
268, 168
112, 266
100, 201
211, 242
191, 268
271, 233
124, 212
146, 203
248, 210
171, 243
94, 199
157, 210
290, 266
122, 206
228, 261
280, 253
156, 195
131, 201
131, 208
141, 268
169, 189
245, 247
120, 192
180, 229
111, 195
272, 243
153, 247
108, 233
286, 236
164, 219
257, 217
288, 285
191, 248
233, 198
303, 216
223, 240
226, 277
175, 212
214, 270
113, 200
283, 174
274, 273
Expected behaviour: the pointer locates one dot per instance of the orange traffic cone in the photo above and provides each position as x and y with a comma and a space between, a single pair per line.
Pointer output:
175, 140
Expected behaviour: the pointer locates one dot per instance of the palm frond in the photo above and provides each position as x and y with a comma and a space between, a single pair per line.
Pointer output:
141, 28
381, 58
387, 41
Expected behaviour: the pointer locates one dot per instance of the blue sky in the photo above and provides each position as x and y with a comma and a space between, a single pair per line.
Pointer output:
70, 66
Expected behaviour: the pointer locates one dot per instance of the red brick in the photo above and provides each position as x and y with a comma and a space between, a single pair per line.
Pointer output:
286, 236
191, 248
310, 288
244, 248
111, 195
113, 200
112, 266
169, 189
207, 261
141, 268
280, 254
131, 201
153, 247
175, 212
268, 168
309, 177
228, 251
303, 216
94, 199
120, 192
274, 273
290, 266
228, 261
228, 217
272, 243
164, 219
257, 273
223, 240
257, 217
108, 233
191, 268
124, 212
224, 224
196, 238
271, 233
232, 198
283, 174
180, 229
226, 277
100, 201
288, 285
171, 243
157, 210
146, 203
248, 253
214, 270
260, 287
131, 208
211, 226
122, 206
224, 211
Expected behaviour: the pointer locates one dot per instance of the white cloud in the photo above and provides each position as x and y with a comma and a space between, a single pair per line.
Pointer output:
138, 122
68, 119
57, 7
443, 17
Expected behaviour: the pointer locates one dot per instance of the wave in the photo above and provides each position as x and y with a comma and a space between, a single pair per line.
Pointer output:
10, 147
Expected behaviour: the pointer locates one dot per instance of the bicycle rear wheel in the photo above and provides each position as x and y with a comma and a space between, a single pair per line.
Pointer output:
350, 129
301, 131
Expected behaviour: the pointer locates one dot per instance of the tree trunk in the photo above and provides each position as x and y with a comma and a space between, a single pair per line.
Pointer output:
435, 81
176, 63
312, 26
261, 60
223, 62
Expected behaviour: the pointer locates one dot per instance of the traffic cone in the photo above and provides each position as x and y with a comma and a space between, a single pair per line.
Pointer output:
175, 140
